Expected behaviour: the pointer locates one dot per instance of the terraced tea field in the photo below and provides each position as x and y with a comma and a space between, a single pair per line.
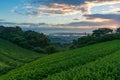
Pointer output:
95, 62
12, 56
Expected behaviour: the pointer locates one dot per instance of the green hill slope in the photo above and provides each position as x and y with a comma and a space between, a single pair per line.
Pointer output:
68, 65
107, 68
12, 56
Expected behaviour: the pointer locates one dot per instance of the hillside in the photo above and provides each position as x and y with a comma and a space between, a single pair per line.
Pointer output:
12, 56
99, 61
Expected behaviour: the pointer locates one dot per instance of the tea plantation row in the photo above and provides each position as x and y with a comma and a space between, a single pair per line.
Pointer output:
61, 66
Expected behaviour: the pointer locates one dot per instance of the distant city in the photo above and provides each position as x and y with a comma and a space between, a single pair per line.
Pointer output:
69, 34
65, 37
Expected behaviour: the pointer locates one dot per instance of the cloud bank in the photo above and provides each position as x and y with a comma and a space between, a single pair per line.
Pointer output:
63, 7
94, 13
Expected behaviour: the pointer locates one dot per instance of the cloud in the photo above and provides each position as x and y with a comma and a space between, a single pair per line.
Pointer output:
2, 20
45, 28
68, 2
88, 24
83, 26
54, 9
118, 11
24, 25
49, 2
84, 8
61, 7
10, 23
115, 8
76, 19
113, 17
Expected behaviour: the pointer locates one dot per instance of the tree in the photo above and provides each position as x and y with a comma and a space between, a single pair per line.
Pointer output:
101, 32
39, 50
37, 39
26, 39
1, 29
118, 30
11, 32
82, 41
50, 49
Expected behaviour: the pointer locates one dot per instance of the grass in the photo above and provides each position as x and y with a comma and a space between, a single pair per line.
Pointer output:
57, 66
107, 68
13, 56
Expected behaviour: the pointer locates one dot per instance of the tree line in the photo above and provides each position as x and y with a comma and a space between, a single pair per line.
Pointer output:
27, 39
39, 42
97, 36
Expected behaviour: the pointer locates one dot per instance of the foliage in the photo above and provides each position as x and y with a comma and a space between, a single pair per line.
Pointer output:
39, 50
95, 62
106, 68
118, 30
54, 64
83, 41
99, 35
101, 31
36, 39
51, 49
26, 39
12, 56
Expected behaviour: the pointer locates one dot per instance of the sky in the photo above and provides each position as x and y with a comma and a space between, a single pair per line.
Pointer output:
53, 16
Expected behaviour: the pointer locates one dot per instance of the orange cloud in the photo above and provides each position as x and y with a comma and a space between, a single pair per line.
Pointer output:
76, 19
89, 4
96, 19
